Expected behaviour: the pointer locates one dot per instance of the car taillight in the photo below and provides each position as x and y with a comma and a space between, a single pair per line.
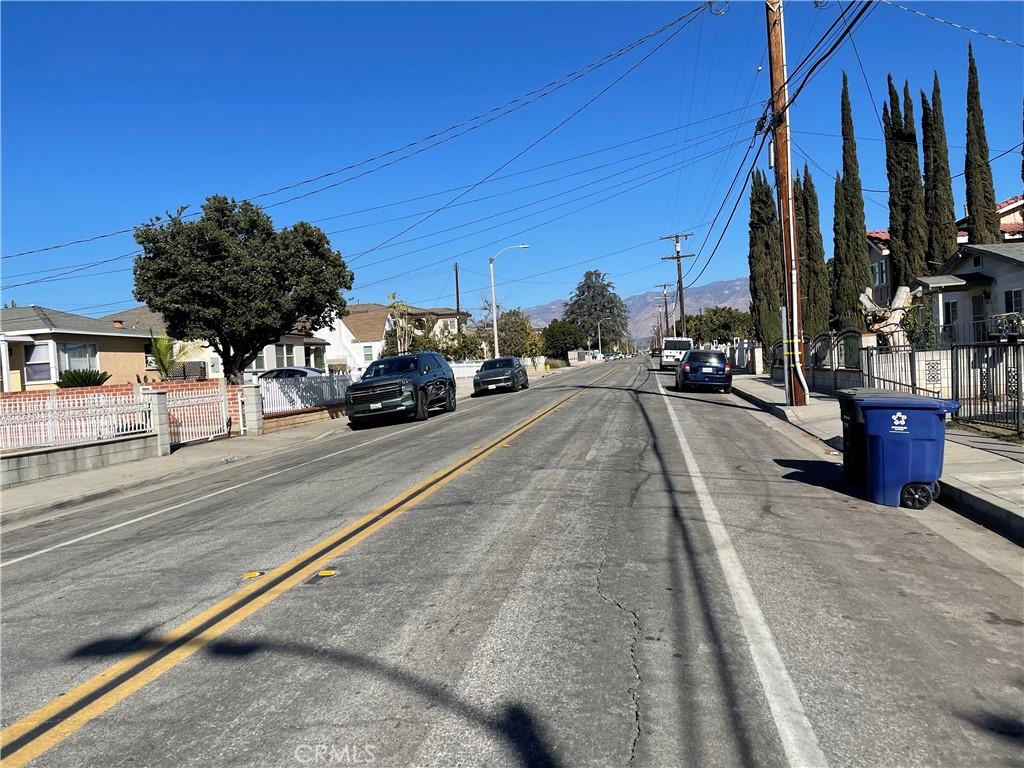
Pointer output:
686, 367
728, 367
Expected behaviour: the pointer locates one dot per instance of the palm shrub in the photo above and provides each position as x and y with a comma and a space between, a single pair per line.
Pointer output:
82, 377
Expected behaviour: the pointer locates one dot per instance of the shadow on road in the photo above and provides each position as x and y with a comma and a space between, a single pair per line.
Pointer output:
514, 723
820, 474
690, 564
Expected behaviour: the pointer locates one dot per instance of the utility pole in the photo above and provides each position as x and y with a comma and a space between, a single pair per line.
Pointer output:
678, 259
458, 304
792, 340
664, 298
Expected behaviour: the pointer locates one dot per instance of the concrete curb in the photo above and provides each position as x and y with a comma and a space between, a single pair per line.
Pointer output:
975, 504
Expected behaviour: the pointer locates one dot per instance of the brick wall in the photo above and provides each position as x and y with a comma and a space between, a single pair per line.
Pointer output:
42, 394
234, 403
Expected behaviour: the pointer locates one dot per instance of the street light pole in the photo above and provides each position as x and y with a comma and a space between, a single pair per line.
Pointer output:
494, 303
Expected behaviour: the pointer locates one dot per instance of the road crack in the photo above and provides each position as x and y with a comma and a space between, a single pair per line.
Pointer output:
634, 690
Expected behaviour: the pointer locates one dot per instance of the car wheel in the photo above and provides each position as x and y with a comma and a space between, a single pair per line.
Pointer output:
449, 403
515, 384
727, 390
526, 382
421, 406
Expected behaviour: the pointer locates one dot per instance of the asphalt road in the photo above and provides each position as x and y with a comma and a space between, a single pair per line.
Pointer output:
594, 571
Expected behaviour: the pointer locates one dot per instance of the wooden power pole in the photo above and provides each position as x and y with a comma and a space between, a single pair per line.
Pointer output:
784, 185
678, 259
664, 298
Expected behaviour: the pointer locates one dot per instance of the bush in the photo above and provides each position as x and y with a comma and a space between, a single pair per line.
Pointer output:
82, 377
554, 362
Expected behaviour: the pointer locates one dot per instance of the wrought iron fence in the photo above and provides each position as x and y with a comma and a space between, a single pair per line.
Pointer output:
918, 370
197, 414
986, 380
71, 419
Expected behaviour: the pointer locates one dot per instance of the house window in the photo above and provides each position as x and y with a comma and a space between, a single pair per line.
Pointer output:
285, 354
878, 274
1014, 300
77, 357
147, 348
38, 364
214, 363
450, 325
315, 357
949, 312
260, 363
367, 353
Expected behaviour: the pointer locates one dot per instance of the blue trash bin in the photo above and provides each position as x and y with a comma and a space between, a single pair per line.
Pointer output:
906, 436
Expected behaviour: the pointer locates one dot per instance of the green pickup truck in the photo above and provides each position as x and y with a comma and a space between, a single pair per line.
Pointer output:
406, 384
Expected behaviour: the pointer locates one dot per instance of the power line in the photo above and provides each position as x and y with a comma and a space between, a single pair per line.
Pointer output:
509, 107
657, 173
954, 24
692, 15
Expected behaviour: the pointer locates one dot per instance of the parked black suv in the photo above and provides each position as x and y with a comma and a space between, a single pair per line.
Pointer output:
410, 384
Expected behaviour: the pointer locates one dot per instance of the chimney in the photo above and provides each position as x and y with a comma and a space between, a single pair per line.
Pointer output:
119, 323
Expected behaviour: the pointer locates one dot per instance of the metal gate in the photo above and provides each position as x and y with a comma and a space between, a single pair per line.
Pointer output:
196, 414
987, 382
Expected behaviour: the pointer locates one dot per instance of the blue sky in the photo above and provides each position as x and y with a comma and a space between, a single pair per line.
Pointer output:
115, 112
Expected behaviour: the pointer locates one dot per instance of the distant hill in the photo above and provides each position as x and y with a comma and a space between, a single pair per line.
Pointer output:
643, 307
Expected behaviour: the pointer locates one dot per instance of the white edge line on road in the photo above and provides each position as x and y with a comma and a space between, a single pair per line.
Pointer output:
794, 728
204, 497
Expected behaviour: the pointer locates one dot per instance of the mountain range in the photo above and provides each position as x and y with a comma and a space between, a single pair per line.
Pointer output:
643, 307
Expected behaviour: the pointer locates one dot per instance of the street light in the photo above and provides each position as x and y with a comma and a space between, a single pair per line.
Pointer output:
494, 304
599, 350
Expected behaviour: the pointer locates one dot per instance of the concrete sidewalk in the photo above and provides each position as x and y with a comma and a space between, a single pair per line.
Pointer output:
982, 478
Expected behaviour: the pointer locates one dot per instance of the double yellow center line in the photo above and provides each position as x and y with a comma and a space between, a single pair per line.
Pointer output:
43, 729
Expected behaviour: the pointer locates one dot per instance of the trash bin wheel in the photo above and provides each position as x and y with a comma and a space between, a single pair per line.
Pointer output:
915, 496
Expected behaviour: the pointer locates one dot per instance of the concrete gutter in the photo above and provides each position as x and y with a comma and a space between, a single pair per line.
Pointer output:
956, 493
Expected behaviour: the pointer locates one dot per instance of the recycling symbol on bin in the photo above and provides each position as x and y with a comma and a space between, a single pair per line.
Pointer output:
899, 419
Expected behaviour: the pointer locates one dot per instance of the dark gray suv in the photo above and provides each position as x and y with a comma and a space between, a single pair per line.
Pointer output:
501, 373
409, 384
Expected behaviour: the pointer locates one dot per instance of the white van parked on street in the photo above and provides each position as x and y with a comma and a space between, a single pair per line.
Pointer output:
672, 350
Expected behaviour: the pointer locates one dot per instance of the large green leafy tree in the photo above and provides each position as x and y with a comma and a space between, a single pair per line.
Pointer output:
230, 279
907, 230
595, 299
515, 333
561, 337
851, 268
814, 288
764, 257
718, 324
938, 186
981, 195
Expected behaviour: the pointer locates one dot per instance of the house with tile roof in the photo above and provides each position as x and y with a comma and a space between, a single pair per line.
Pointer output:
38, 343
300, 347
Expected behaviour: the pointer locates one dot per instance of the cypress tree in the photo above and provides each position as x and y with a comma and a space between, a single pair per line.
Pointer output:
838, 236
800, 232
765, 260
938, 185
813, 273
852, 267
981, 197
916, 230
892, 126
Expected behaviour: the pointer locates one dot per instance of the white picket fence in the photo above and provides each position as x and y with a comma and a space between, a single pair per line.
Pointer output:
304, 392
196, 414
71, 419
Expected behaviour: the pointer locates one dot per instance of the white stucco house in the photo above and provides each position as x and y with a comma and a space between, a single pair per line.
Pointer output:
979, 293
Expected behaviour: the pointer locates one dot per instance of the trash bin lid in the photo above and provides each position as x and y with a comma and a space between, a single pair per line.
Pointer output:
868, 397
